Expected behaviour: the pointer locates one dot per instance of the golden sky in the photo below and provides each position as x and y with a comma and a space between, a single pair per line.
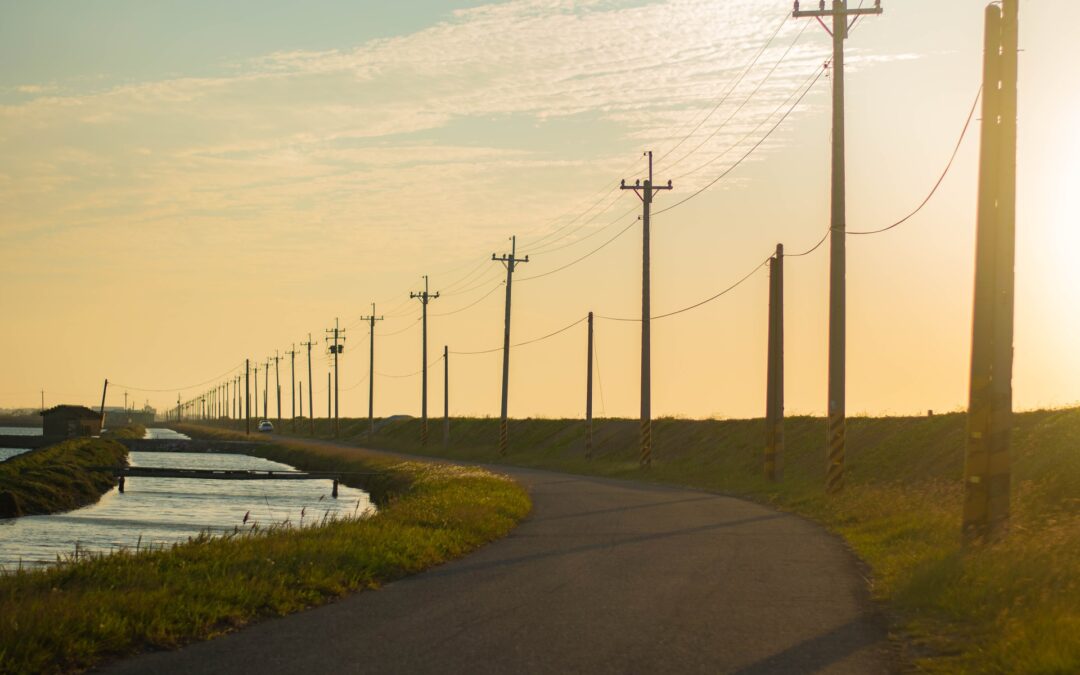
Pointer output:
184, 187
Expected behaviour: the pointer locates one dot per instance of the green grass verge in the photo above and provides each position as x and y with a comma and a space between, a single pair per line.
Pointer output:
127, 431
75, 615
1010, 607
58, 477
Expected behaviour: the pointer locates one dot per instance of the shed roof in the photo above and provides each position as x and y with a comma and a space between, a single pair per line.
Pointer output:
80, 410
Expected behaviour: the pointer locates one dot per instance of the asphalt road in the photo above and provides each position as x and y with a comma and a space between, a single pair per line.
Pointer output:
603, 577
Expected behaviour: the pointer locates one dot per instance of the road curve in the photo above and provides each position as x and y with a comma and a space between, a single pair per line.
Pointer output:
603, 576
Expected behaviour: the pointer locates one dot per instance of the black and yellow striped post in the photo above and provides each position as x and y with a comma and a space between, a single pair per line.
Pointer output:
774, 404
986, 460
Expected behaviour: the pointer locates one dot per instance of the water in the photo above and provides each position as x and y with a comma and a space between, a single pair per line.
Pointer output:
168, 510
8, 453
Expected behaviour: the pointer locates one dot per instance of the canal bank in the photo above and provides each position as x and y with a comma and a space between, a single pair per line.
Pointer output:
70, 617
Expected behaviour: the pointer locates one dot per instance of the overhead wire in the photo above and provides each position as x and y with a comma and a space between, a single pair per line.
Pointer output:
734, 84
522, 344
747, 99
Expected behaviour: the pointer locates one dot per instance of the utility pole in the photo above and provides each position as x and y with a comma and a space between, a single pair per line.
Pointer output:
256, 388
774, 389
328, 415
178, 418
311, 397
425, 297
103, 392
836, 431
987, 470
371, 370
277, 383
588, 392
266, 389
645, 194
446, 396
292, 386
247, 396
42, 400
301, 390
336, 349
509, 262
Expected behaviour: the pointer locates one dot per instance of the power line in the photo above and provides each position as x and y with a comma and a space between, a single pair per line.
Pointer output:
526, 342
731, 89
746, 100
754, 147
577, 260
952, 158
178, 389
696, 304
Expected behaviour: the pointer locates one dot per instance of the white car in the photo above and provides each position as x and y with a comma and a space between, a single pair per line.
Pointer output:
265, 425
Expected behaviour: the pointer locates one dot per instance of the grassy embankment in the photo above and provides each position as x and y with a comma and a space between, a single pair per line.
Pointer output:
75, 615
58, 477
1011, 607
127, 431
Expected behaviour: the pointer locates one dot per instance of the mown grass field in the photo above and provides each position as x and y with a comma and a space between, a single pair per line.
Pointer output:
58, 477
1013, 607
75, 615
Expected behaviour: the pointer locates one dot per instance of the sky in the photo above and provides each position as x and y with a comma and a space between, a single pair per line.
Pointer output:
188, 185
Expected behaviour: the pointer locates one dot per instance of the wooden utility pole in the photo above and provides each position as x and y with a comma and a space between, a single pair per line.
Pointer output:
987, 471
292, 387
103, 392
311, 396
446, 396
510, 262
266, 390
371, 369
588, 392
645, 194
256, 389
774, 395
328, 396
424, 297
247, 396
836, 431
300, 388
277, 383
336, 350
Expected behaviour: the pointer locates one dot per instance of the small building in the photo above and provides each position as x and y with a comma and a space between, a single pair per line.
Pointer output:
70, 421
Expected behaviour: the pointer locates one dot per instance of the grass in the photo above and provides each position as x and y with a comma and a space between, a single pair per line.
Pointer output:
1010, 607
127, 431
77, 614
58, 477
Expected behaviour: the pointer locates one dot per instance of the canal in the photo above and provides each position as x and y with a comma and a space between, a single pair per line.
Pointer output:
163, 511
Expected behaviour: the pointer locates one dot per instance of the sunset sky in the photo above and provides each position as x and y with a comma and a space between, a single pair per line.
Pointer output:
184, 185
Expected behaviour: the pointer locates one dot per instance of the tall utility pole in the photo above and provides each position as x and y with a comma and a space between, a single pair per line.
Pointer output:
425, 297
266, 389
446, 396
328, 414
292, 385
371, 370
987, 471
836, 427
311, 397
645, 194
508, 261
256, 388
247, 396
336, 349
774, 389
277, 382
588, 391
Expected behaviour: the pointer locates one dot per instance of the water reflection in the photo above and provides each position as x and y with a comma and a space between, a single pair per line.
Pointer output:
165, 510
